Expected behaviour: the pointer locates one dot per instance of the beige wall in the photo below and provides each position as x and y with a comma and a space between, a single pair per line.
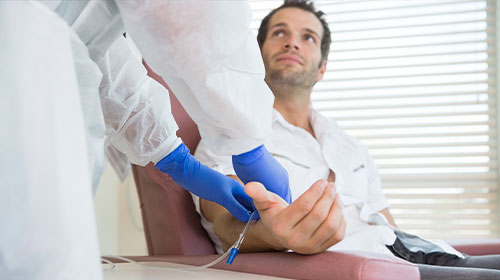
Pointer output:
117, 208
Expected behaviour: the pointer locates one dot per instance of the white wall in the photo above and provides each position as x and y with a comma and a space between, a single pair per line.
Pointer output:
117, 208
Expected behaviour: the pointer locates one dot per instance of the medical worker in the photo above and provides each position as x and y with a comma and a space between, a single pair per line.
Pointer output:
68, 77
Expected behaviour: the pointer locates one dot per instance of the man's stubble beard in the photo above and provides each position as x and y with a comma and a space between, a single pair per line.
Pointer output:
284, 77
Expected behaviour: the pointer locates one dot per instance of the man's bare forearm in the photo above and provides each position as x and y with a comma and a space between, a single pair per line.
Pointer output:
310, 225
228, 229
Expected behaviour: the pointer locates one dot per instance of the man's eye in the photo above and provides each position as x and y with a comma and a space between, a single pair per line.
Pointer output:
278, 33
309, 38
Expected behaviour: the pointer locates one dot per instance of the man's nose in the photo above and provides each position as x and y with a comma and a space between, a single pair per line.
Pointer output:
291, 43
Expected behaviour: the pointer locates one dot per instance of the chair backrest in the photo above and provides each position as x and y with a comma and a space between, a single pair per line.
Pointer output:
171, 224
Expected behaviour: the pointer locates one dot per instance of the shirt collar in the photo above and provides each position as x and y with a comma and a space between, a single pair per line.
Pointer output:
320, 124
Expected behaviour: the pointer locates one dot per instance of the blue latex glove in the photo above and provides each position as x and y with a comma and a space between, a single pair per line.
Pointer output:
206, 183
259, 165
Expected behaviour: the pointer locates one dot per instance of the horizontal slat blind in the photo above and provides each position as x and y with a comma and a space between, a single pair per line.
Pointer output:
415, 81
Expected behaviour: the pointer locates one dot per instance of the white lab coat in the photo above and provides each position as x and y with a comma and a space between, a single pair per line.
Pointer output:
47, 224
211, 60
68, 76
204, 51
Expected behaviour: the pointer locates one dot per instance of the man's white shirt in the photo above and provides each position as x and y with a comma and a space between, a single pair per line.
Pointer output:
308, 159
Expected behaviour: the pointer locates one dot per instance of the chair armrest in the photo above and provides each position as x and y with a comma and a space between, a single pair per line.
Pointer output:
328, 265
477, 247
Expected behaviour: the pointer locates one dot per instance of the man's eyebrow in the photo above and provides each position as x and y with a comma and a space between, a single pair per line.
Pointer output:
309, 30
312, 31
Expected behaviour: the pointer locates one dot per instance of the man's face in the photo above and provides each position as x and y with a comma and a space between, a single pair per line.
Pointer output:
292, 49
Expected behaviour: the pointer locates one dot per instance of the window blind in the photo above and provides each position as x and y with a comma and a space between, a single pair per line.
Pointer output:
416, 83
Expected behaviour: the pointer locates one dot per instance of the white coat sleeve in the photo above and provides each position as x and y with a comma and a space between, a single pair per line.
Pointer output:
136, 108
206, 53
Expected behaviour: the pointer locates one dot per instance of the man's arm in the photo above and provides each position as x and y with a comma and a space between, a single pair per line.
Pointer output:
228, 229
309, 225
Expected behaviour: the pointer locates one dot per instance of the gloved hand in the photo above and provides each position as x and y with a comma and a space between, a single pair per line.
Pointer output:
209, 184
259, 165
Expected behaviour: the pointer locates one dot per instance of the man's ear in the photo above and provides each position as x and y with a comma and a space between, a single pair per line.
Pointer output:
321, 71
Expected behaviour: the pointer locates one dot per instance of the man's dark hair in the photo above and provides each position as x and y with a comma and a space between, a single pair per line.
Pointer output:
306, 6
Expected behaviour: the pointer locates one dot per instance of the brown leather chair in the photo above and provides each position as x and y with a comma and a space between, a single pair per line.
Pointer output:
174, 233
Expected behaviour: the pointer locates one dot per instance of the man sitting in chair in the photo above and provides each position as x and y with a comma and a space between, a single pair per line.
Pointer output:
345, 209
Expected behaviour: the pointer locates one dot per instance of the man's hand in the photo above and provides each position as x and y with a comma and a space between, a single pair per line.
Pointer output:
310, 225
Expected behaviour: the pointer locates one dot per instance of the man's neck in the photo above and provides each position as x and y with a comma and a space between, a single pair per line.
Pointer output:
293, 105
